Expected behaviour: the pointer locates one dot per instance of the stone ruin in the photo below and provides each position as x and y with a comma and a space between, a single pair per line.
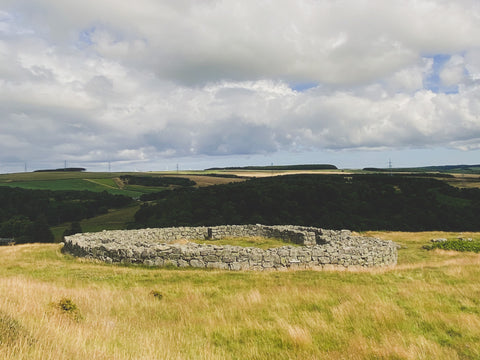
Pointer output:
7, 241
319, 248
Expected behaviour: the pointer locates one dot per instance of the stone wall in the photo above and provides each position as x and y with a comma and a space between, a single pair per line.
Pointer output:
159, 247
6, 241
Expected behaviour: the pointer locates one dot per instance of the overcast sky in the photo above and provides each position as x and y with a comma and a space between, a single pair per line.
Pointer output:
149, 84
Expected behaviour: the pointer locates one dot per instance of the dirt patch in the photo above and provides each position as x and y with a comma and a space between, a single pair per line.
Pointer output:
119, 182
209, 180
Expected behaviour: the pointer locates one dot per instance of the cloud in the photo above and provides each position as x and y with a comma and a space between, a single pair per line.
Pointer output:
453, 72
98, 81
191, 42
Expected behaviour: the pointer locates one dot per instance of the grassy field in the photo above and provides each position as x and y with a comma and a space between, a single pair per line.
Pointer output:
100, 181
97, 182
465, 181
54, 306
115, 219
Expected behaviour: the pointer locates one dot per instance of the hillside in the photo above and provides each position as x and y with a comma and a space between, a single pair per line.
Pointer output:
451, 169
358, 202
346, 200
53, 306
57, 198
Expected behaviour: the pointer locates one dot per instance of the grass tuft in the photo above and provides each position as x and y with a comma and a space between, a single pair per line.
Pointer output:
68, 307
156, 294
10, 329
12, 332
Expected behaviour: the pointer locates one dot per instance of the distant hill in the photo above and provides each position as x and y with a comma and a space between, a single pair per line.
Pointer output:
62, 169
281, 167
462, 169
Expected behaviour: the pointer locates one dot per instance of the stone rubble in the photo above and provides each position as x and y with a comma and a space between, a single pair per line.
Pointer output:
322, 249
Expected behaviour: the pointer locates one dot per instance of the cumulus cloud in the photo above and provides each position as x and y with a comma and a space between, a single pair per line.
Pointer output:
453, 73
97, 81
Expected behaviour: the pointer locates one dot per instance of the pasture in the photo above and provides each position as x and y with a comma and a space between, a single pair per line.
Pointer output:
96, 182
101, 181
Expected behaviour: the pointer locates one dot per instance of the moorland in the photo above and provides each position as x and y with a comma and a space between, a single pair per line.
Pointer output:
54, 306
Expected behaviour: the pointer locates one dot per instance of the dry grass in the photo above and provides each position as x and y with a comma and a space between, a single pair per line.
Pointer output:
267, 173
203, 180
464, 181
250, 241
426, 308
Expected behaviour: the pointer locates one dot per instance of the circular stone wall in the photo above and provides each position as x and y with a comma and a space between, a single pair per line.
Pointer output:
154, 247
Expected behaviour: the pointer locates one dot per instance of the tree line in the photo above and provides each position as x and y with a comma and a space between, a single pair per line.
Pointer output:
281, 167
157, 180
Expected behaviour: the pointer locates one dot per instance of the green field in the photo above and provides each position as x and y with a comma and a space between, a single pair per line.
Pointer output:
116, 219
100, 181
74, 181
54, 306
60, 175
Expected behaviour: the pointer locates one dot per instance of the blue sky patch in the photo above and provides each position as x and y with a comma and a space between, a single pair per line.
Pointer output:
303, 86
85, 37
433, 82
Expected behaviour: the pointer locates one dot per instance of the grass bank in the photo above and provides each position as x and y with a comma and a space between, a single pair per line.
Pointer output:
425, 308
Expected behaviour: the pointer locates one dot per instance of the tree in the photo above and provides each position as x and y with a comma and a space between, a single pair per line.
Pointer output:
74, 228
18, 227
41, 231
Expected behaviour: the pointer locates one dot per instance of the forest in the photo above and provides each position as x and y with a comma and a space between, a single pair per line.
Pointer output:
26, 215
356, 202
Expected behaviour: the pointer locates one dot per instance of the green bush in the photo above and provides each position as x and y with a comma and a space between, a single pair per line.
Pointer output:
456, 245
68, 307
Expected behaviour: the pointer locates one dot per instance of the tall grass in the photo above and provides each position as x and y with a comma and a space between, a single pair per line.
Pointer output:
426, 308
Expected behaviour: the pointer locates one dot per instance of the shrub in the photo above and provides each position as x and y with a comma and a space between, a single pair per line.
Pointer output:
156, 294
67, 306
456, 245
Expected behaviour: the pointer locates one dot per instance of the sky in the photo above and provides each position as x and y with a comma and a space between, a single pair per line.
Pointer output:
151, 85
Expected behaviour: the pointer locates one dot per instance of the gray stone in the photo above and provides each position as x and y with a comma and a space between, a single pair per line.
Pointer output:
217, 265
197, 263
438, 240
